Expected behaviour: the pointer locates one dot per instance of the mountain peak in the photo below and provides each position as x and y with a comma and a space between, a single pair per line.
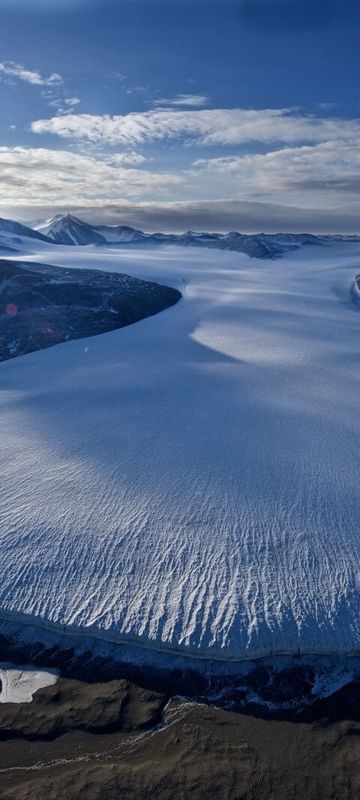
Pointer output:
68, 229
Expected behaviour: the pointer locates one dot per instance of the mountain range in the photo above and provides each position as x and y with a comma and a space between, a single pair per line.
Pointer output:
70, 230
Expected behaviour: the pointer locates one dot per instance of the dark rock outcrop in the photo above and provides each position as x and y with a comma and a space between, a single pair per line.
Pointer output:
42, 305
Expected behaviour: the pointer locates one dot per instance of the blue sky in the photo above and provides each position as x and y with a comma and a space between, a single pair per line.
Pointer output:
226, 113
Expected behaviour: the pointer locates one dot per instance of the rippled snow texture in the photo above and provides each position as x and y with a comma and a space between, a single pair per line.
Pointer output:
193, 479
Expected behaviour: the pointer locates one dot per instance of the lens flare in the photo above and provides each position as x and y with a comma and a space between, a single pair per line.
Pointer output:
11, 310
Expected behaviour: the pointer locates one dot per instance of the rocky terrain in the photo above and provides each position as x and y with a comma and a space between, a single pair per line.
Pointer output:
107, 731
42, 305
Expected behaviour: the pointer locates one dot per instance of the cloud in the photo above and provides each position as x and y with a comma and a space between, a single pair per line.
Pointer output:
54, 176
13, 70
53, 90
206, 126
60, 101
294, 173
304, 160
72, 101
305, 156
126, 158
325, 174
190, 100
221, 216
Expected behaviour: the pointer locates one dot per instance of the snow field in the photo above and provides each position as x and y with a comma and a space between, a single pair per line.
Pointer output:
192, 480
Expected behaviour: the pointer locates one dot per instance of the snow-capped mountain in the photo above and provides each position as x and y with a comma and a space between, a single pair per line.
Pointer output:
257, 246
67, 229
15, 236
192, 237
120, 234
294, 239
70, 230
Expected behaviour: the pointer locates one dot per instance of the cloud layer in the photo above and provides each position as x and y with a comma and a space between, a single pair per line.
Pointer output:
321, 171
57, 175
218, 216
325, 175
274, 158
233, 126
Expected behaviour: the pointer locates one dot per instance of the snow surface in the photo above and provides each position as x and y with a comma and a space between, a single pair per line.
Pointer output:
15, 236
19, 685
193, 479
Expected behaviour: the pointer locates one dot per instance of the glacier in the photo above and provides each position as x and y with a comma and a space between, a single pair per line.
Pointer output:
191, 482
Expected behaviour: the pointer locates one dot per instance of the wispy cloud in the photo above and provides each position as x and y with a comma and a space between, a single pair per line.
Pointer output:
71, 101
205, 126
53, 89
60, 101
185, 100
13, 70
56, 175
129, 157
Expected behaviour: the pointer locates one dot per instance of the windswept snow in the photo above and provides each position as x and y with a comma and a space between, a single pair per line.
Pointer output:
193, 479
20, 685
15, 237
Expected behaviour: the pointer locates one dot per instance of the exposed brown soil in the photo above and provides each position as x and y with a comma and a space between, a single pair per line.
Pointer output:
71, 705
101, 741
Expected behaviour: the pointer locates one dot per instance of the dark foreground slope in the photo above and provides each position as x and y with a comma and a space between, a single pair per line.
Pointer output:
120, 742
42, 305
114, 731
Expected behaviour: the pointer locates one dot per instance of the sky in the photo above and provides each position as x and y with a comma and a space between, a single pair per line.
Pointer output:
178, 114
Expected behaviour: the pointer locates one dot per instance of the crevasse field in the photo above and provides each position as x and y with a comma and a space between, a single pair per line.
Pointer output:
193, 479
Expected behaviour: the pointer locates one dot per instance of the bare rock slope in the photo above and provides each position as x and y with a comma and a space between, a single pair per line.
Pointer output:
42, 305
